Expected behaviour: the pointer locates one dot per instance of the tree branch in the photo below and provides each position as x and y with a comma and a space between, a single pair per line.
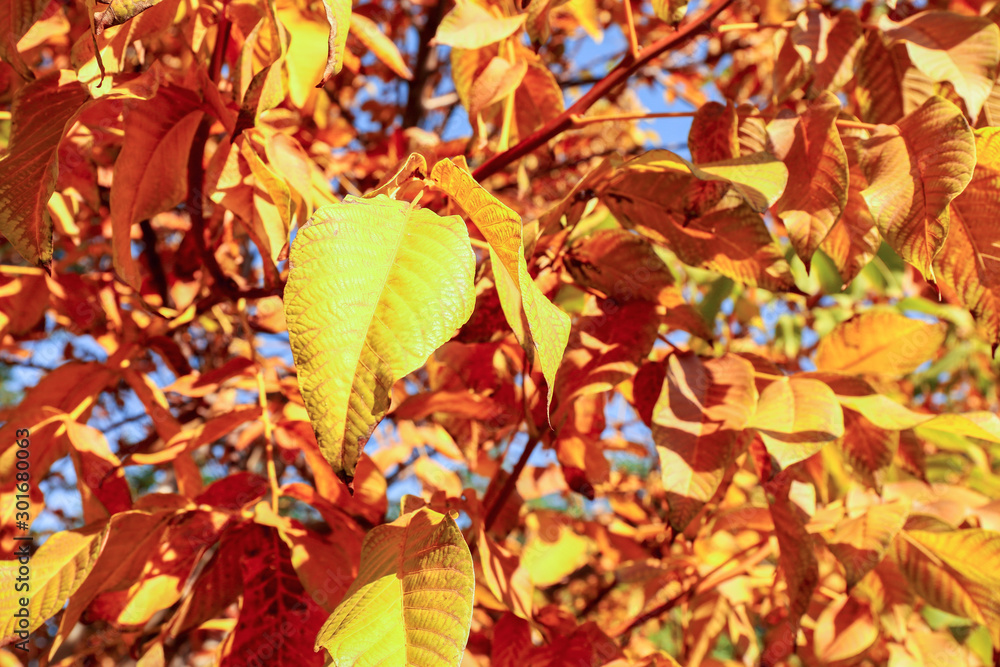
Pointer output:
509, 484
626, 68
415, 95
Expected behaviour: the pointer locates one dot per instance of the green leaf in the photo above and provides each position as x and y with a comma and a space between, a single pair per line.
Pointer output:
547, 326
56, 570
412, 600
375, 287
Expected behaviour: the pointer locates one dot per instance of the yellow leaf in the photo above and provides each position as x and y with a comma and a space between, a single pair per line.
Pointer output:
969, 262
671, 11
412, 600
702, 408
914, 169
796, 417
53, 573
860, 541
338, 15
43, 111
811, 148
957, 571
471, 26
150, 172
308, 52
552, 550
547, 326
376, 41
879, 342
945, 46
375, 286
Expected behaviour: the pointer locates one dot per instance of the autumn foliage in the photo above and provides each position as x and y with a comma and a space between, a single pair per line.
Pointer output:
394, 334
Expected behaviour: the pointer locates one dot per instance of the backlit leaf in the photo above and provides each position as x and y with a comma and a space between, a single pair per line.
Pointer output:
957, 571
862, 537
697, 420
376, 41
338, 15
969, 262
17, 17
150, 173
946, 46
469, 25
796, 417
706, 214
879, 342
843, 44
43, 111
854, 239
412, 601
811, 148
375, 287
53, 574
547, 326
671, 11
500, 78
914, 169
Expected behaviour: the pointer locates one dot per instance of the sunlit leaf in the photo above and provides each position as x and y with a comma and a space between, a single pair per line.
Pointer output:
957, 571
338, 15
811, 148
914, 169
376, 41
844, 630
879, 342
664, 197
43, 111
471, 26
860, 540
843, 44
947, 46
52, 574
547, 327
796, 417
671, 11
697, 421
412, 600
17, 17
854, 239
500, 78
969, 262
375, 286
150, 173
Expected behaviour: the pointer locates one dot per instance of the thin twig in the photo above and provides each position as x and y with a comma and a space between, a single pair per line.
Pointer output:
626, 68
633, 41
414, 99
509, 484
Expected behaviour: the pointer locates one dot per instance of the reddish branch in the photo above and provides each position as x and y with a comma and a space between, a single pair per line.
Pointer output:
625, 69
508, 485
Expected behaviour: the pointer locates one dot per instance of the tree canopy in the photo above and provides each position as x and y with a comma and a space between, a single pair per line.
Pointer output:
499, 333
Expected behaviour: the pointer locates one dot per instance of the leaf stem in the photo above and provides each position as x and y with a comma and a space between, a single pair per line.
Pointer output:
633, 41
733, 27
272, 473
626, 68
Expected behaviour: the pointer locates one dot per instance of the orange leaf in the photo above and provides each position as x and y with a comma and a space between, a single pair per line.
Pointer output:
810, 147
150, 173
853, 240
376, 41
914, 169
796, 417
879, 342
43, 111
969, 262
697, 421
